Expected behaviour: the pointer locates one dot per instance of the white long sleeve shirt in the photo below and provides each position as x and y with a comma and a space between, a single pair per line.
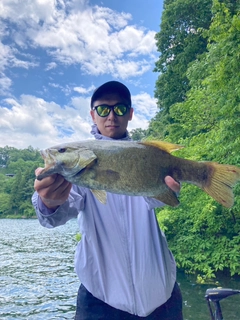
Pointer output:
123, 257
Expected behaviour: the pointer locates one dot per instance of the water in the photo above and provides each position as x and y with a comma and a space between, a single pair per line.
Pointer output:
194, 304
37, 278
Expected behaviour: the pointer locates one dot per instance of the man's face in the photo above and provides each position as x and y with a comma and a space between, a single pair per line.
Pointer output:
112, 126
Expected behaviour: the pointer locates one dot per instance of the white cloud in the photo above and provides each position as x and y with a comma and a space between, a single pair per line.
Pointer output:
30, 114
114, 19
8, 59
5, 53
5, 83
128, 68
66, 89
33, 121
83, 90
48, 36
36, 122
30, 11
145, 107
136, 40
72, 32
50, 66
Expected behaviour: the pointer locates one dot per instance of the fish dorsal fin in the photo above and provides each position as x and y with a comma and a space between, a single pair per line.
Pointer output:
101, 195
163, 145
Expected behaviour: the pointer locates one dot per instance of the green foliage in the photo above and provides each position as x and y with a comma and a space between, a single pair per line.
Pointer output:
4, 203
204, 236
78, 237
138, 134
179, 42
16, 191
11, 154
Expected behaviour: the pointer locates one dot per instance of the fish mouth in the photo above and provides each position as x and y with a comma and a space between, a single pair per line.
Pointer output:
46, 155
49, 159
43, 154
49, 165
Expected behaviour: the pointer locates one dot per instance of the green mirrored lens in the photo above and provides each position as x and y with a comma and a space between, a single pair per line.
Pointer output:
103, 111
120, 109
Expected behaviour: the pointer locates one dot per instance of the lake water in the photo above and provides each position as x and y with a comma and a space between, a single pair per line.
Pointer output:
37, 278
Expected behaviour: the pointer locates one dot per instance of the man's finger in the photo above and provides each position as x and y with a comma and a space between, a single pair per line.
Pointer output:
172, 184
38, 171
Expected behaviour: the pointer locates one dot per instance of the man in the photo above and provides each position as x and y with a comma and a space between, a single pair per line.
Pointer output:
123, 261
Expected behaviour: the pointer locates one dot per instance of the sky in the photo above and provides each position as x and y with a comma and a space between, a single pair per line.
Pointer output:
54, 53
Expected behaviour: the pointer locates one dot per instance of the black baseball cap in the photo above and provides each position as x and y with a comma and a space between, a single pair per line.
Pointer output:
112, 87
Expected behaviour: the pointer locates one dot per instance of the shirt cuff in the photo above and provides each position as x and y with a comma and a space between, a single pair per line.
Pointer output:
44, 209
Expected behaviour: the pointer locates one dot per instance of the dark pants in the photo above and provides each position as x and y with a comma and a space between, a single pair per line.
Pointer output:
91, 308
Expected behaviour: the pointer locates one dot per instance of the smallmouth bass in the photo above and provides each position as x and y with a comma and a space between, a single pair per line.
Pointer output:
137, 169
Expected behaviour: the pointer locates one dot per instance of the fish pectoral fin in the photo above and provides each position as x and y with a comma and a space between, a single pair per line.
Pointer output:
169, 197
101, 195
163, 145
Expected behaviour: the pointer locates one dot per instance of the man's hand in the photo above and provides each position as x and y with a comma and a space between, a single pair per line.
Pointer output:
172, 184
53, 190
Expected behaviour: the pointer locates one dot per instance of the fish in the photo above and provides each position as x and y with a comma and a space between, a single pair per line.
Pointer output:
137, 168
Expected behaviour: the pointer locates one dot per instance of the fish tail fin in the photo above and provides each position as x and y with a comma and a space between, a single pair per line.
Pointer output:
221, 181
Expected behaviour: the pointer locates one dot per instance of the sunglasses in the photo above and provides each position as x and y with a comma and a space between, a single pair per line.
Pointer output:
120, 109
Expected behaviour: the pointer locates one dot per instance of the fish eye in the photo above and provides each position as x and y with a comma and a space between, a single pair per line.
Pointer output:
61, 150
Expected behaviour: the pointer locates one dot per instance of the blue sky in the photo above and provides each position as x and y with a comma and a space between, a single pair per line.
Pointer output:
54, 53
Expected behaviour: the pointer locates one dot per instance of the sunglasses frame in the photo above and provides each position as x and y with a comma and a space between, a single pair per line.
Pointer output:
111, 108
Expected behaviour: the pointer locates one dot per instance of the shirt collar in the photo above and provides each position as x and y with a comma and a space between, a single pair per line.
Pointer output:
97, 135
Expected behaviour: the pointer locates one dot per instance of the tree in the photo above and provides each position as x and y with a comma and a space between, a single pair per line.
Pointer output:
138, 134
16, 191
203, 235
15, 195
4, 203
179, 43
